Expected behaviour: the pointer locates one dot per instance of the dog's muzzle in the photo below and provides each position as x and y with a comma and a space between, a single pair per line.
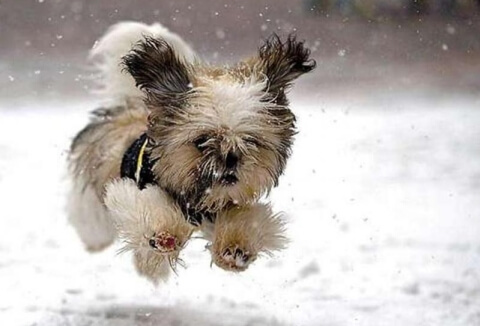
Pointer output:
229, 178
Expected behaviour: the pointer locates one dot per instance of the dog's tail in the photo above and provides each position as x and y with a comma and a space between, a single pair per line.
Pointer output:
114, 83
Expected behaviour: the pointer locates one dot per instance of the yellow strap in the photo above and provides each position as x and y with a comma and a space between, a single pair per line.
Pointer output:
140, 161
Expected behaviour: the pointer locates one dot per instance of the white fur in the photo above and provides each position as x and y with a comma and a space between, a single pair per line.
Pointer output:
231, 103
90, 218
115, 84
138, 216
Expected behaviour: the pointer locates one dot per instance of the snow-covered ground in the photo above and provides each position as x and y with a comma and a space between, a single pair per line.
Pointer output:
382, 195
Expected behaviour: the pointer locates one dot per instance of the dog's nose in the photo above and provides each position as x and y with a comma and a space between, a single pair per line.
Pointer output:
231, 160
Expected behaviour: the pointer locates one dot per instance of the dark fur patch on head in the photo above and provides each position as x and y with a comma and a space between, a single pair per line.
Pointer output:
158, 72
283, 62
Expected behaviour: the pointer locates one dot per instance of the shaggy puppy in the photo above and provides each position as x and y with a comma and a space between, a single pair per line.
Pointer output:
183, 147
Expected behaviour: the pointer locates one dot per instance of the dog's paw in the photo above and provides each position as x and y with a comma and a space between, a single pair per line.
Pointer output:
234, 258
164, 242
239, 235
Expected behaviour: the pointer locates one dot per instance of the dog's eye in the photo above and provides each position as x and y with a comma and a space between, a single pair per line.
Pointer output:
199, 142
251, 141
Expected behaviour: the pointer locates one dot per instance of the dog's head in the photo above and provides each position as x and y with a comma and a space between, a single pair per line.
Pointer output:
220, 135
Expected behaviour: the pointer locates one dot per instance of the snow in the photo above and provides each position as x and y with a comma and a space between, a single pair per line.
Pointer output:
381, 195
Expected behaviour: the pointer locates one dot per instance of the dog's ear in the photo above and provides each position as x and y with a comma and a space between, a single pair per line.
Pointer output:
281, 63
158, 72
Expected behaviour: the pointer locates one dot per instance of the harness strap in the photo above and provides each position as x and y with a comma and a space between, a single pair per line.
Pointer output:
136, 163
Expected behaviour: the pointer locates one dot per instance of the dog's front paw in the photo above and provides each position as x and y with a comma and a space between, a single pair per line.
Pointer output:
164, 242
150, 224
234, 258
241, 234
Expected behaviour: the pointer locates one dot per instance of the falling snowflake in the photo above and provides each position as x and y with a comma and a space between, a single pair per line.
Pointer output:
220, 33
451, 30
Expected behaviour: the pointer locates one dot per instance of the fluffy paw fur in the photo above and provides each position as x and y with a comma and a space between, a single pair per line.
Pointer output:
240, 234
150, 224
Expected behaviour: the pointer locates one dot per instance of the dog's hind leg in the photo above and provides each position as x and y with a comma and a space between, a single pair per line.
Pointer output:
240, 234
150, 224
89, 217
95, 158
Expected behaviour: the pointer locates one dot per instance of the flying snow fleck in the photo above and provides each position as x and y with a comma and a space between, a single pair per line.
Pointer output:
37, 72
220, 33
11, 78
342, 52
444, 47
450, 29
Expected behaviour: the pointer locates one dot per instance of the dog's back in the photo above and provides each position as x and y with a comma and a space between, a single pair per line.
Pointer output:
96, 152
115, 85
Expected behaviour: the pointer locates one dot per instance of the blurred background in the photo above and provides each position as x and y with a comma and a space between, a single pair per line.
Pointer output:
381, 193
45, 43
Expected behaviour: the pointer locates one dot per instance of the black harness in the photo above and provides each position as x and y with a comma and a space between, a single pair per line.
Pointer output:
137, 165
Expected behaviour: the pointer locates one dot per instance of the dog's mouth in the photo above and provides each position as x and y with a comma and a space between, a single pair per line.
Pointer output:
229, 179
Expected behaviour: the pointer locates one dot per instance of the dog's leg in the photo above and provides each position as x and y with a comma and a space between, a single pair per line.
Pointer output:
150, 224
240, 234
89, 217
